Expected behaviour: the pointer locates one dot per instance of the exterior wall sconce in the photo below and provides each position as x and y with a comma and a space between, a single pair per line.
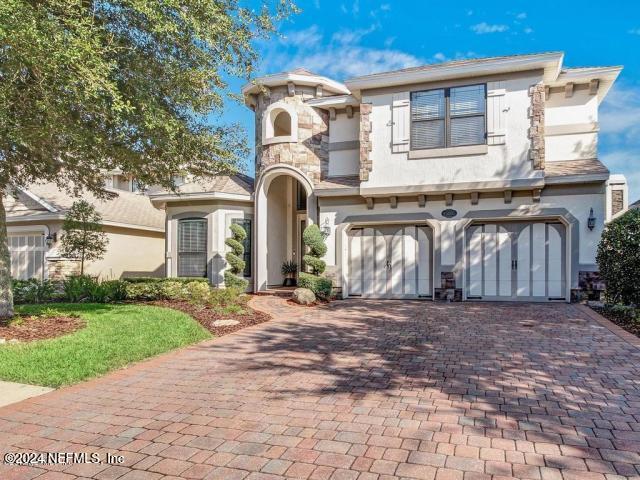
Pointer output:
326, 228
591, 221
51, 239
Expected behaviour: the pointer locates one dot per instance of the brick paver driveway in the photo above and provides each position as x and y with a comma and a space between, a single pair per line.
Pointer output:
367, 390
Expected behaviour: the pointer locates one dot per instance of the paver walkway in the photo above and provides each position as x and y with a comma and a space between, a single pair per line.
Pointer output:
359, 389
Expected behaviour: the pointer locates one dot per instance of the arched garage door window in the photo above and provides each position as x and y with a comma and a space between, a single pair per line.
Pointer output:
192, 247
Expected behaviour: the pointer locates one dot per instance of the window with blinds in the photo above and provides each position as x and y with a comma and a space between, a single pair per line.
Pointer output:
448, 117
192, 247
246, 224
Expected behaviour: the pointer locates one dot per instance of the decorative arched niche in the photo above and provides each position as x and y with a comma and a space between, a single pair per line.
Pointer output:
279, 124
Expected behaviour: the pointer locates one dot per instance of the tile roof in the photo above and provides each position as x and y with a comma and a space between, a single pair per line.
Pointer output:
564, 168
126, 208
236, 184
338, 182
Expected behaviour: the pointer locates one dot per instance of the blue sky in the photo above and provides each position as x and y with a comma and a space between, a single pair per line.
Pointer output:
351, 38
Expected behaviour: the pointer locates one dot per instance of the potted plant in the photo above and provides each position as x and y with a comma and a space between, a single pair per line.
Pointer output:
289, 270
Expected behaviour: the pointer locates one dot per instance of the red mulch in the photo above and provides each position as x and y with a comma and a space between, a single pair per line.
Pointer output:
39, 328
206, 316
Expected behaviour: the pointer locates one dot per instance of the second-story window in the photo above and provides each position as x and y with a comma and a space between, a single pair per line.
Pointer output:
448, 117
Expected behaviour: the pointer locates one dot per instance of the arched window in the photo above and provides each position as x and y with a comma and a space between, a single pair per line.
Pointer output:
279, 124
192, 247
282, 124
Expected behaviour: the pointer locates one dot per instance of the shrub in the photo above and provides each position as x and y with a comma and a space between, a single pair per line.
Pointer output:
163, 279
172, 290
32, 291
198, 292
144, 290
79, 288
225, 296
321, 286
314, 240
112, 291
619, 259
232, 277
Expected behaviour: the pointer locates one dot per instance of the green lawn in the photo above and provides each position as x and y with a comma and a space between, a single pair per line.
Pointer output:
115, 335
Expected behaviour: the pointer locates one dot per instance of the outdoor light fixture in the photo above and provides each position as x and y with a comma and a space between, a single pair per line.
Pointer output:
591, 221
326, 228
51, 239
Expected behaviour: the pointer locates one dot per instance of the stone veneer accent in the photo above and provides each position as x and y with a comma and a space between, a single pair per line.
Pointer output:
61, 268
617, 201
536, 132
311, 152
365, 141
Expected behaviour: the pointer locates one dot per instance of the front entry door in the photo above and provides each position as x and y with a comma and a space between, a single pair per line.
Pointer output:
516, 261
390, 261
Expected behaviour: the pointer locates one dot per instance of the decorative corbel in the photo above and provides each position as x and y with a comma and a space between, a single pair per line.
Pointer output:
369, 203
393, 201
568, 90
594, 84
508, 196
535, 195
475, 198
448, 198
547, 92
349, 111
291, 89
422, 200
332, 113
319, 92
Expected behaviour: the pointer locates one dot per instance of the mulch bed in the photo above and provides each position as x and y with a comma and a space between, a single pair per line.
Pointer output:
619, 319
39, 328
206, 316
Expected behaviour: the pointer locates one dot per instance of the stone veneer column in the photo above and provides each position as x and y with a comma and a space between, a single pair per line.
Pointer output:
310, 153
536, 131
365, 141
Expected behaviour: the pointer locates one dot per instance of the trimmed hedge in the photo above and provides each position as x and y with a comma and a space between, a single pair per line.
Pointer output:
619, 259
232, 277
83, 288
321, 286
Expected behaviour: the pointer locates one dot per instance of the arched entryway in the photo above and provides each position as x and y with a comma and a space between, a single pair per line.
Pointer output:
285, 205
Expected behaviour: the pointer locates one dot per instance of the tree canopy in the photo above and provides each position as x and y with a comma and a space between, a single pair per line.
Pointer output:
87, 85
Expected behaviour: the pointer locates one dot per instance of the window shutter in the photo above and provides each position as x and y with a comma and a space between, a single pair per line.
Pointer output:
496, 113
401, 122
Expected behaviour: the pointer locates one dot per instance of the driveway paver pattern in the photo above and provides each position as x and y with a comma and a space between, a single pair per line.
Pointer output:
367, 390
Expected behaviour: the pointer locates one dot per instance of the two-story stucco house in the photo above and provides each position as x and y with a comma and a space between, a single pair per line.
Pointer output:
475, 179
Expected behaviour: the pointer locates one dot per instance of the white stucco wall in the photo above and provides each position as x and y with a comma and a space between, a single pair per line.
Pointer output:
219, 216
510, 160
344, 129
446, 232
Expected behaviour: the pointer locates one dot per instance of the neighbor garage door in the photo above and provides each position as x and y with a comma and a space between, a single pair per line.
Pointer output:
27, 256
516, 261
390, 261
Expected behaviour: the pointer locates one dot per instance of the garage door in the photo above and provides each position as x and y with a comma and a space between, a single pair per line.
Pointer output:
27, 256
516, 261
390, 261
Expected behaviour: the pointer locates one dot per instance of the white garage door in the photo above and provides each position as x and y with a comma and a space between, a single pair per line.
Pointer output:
516, 261
390, 261
27, 256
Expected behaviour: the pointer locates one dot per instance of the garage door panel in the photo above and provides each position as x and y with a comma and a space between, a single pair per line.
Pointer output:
27, 256
524, 261
424, 266
396, 262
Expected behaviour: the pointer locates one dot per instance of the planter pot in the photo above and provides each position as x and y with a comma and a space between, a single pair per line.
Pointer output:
289, 282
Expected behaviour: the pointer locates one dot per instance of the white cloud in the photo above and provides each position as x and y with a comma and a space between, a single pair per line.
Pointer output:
484, 27
635, 31
389, 41
385, 7
620, 112
528, 30
619, 141
340, 56
521, 16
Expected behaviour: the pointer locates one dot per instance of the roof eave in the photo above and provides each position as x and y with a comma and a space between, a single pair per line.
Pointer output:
550, 62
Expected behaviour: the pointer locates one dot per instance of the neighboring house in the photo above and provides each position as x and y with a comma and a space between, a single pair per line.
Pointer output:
475, 179
134, 228
635, 204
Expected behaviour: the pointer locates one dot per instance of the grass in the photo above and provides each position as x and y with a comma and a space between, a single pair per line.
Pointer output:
115, 336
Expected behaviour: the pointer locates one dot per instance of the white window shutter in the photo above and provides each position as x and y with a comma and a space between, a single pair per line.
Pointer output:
401, 122
496, 113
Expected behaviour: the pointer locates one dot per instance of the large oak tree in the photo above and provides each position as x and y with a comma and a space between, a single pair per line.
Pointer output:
93, 85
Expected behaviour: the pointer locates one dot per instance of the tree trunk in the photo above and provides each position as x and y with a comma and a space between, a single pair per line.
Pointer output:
6, 295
